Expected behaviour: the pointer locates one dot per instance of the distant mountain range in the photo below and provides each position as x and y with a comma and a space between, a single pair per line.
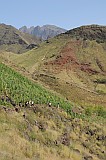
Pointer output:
44, 32
24, 39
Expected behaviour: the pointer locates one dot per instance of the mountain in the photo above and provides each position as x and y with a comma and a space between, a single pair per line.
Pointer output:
44, 32
71, 64
91, 32
65, 78
12, 40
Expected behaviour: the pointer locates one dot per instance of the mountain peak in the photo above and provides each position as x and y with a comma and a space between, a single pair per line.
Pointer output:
44, 31
91, 32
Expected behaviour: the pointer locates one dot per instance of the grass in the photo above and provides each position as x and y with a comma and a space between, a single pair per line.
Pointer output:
57, 134
32, 59
80, 83
48, 132
98, 110
76, 85
20, 89
21, 139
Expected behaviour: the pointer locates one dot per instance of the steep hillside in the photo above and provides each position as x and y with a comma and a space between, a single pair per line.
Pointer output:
40, 131
71, 65
12, 40
43, 32
91, 32
19, 89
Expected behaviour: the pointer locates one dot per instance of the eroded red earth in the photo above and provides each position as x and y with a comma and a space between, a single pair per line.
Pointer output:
67, 59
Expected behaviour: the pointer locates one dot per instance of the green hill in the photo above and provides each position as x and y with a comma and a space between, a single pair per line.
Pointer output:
20, 89
70, 64
43, 132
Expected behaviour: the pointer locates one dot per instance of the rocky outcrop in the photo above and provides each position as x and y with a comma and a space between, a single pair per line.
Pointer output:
44, 32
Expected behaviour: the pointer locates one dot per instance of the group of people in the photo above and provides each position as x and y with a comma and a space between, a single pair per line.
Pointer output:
31, 103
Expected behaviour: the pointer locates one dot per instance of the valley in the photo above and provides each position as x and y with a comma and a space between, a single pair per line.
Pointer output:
68, 71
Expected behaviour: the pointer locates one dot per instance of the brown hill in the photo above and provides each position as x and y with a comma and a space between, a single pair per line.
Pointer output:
12, 40
71, 66
91, 32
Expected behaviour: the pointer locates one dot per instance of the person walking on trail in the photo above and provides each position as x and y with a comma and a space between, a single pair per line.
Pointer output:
49, 104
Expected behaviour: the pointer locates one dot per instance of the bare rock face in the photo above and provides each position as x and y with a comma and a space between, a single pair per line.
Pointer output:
44, 32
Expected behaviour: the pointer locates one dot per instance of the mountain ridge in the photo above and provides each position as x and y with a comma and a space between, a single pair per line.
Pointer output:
91, 32
43, 32
12, 40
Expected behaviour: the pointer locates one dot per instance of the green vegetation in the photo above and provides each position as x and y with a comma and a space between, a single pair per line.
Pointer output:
46, 132
100, 81
20, 89
72, 80
73, 131
98, 111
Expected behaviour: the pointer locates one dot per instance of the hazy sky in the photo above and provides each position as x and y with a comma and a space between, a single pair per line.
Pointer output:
64, 13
